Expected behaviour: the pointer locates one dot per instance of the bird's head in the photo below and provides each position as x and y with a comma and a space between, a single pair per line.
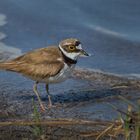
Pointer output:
72, 48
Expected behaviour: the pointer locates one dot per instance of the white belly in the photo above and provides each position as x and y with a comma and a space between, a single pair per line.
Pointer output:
61, 76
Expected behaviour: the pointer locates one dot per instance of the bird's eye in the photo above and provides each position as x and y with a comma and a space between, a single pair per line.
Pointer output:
71, 48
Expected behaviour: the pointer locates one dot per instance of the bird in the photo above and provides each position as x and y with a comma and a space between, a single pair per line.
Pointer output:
52, 64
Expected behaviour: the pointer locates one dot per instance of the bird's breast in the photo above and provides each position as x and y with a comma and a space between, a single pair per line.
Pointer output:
64, 74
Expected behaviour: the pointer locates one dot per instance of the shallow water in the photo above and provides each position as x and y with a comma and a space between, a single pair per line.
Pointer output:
108, 30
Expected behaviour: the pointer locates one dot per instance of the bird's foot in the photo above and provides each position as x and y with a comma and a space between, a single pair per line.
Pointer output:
43, 108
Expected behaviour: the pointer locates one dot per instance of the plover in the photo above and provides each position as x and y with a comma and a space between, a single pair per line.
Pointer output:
48, 65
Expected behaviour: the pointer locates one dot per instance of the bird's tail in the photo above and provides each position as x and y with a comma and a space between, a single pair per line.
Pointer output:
7, 66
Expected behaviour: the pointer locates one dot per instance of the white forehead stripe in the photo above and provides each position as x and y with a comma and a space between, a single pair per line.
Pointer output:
79, 46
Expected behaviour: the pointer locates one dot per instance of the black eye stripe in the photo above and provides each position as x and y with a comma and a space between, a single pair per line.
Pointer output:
72, 47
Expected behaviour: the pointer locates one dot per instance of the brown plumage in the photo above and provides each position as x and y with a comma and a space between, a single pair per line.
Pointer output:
37, 64
48, 65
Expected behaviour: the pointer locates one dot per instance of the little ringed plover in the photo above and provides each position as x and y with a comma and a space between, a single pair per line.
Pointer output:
48, 65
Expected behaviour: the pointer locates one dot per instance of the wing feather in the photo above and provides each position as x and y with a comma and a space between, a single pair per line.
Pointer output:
39, 63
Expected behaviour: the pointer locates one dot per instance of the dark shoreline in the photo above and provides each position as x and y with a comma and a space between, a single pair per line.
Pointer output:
89, 104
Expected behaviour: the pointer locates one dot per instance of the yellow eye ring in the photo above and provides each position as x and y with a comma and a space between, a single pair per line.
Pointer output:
71, 48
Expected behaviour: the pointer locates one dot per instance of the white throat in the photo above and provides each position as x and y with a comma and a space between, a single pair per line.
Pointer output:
73, 56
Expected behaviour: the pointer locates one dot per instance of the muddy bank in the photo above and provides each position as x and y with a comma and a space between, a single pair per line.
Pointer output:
89, 102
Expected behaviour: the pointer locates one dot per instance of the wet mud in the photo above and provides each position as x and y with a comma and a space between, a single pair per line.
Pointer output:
88, 103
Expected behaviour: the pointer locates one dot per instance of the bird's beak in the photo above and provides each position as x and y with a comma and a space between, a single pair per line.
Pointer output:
83, 53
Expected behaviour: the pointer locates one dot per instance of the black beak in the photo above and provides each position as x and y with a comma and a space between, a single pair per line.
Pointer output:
84, 53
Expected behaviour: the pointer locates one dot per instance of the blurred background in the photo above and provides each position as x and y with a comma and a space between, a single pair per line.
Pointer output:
109, 30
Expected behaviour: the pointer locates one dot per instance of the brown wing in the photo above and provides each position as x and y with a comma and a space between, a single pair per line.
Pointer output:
39, 63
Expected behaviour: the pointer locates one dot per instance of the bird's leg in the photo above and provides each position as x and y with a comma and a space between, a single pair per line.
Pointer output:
37, 94
49, 96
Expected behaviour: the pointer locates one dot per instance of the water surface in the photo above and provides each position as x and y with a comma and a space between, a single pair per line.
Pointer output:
109, 30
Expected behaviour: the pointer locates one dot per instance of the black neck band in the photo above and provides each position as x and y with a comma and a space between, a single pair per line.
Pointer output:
68, 60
